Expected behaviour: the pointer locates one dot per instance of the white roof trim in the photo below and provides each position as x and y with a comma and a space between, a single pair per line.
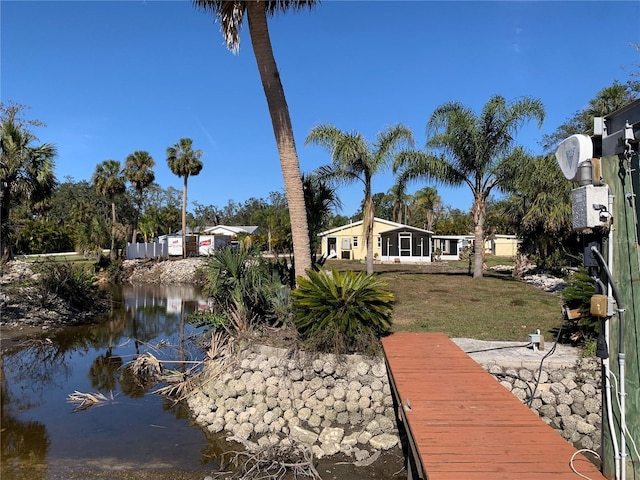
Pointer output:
359, 222
453, 237
233, 228
408, 227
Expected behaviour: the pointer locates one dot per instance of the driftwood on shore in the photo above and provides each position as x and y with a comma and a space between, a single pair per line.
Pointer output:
273, 462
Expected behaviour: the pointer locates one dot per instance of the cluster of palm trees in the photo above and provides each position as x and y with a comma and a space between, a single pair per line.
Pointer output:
462, 149
110, 180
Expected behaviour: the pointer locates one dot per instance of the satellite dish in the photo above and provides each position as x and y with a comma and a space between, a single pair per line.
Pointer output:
572, 152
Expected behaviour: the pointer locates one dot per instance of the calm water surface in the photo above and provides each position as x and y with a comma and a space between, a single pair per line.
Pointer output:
43, 437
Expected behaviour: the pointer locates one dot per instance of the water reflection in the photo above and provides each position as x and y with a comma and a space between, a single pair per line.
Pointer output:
41, 436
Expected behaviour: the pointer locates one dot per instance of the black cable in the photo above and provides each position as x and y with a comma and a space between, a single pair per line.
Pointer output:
499, 348
517, 377
550, 352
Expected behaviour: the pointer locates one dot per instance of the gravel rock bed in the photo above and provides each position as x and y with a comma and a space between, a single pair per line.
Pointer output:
163, 271
332, 404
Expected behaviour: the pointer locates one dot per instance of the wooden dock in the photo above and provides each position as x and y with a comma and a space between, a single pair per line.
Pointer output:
463, 425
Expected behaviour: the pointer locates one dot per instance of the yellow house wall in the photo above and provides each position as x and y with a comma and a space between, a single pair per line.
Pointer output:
505, 247
360, 252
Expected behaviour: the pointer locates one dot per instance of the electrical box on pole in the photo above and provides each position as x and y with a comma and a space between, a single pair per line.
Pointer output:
589, 204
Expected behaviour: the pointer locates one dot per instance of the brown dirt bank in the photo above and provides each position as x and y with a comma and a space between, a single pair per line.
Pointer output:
27, 312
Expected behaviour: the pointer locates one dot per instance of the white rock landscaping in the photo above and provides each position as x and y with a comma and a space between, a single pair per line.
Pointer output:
332, 404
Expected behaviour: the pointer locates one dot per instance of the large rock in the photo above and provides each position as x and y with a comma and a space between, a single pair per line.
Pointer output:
384, 441
302, 435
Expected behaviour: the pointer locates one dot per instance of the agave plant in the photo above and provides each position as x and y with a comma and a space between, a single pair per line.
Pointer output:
342, 312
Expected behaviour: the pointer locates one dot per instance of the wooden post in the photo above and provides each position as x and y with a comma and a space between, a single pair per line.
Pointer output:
621, 171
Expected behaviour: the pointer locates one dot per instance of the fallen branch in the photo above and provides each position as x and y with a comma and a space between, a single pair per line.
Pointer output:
84, 401
273, 462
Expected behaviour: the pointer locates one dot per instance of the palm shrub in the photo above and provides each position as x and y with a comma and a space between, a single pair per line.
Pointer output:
342, 312
241, 282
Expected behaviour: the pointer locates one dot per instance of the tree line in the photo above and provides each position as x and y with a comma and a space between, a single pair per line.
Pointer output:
123, 203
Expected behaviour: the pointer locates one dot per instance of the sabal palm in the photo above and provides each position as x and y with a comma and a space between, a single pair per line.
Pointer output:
184, 162
353, 159
473, 150
230, 14
26, 175
109, 181
138, 171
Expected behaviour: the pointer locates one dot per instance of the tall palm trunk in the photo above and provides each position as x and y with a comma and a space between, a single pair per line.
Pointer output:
283, 130
184, 217
7, 252
479, 212
112, 252
134, 235
368, 222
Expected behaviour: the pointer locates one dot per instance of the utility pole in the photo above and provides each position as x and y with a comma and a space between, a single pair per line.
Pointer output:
606, 211
621, 172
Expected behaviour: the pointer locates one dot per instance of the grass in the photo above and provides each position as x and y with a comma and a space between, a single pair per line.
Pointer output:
57, 258
442, 297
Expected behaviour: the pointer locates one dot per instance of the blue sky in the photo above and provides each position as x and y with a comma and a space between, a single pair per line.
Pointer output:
110, 78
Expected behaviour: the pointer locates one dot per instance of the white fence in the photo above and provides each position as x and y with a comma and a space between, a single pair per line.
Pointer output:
147, 250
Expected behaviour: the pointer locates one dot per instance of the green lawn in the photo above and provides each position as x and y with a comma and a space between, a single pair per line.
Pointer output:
70, 257
442, 297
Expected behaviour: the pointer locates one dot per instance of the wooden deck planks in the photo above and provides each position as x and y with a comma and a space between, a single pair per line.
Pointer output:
463, 424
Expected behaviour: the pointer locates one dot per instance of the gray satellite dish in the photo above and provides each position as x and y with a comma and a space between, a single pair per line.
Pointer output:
572, 152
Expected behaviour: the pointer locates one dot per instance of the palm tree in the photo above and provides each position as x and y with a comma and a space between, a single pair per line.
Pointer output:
353, 159
539, 211
109, 181
427, 201
230, 14
184, 162
320, 199
137, 170
474, 150
26, 175
401, 201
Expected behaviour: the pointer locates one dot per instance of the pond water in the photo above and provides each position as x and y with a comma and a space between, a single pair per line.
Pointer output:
42, 434
134, 434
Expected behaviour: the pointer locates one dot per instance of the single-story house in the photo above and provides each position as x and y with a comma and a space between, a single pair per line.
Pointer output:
392, 242
449, 247
230, 230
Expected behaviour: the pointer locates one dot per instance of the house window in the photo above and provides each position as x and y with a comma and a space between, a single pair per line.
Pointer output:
355, 242
379, 242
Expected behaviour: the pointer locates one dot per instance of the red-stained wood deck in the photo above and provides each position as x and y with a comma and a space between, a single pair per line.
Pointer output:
463, 425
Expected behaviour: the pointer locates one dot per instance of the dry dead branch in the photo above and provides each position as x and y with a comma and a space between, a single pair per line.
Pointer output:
274, 462
84, 401
217, 360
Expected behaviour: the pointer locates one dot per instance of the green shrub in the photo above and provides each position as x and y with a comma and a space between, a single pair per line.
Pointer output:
70, 282
578, 295
42, 236
209, 319
342, 312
